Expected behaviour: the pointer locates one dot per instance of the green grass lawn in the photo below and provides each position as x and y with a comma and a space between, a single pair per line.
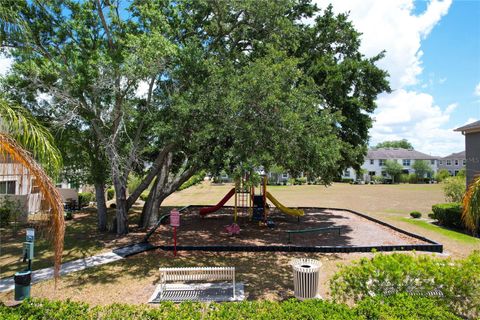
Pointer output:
454, 235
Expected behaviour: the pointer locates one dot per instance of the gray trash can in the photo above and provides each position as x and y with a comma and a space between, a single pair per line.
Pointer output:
23, 280
306, 278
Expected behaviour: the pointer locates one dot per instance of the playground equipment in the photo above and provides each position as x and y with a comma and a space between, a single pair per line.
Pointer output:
248, 202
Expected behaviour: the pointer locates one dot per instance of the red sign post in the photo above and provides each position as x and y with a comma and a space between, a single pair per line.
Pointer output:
175, 222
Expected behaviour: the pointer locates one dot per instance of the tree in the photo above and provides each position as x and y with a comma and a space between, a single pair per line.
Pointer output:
471, 207
442, 174
20, 131
422, 168
404, 144
393, 169
226, 84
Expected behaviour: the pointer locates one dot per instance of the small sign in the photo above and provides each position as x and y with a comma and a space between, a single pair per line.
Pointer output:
174, 218
30, 235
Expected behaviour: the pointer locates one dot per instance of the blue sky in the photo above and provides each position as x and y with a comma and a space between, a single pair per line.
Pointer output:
433, 57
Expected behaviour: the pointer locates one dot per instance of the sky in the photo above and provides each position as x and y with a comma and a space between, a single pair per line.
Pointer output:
433, 58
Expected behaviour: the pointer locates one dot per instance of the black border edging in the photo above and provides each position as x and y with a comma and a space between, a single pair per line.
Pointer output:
432, 246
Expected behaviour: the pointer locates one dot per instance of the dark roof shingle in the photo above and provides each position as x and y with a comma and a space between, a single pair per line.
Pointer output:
398, 153
470, 127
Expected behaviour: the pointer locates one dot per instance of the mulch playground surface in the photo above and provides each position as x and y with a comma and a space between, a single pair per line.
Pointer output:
210, 230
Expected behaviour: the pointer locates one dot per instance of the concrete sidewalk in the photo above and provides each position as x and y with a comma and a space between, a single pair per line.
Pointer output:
7, 284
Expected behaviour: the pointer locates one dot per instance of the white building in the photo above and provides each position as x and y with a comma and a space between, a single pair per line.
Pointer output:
375, 160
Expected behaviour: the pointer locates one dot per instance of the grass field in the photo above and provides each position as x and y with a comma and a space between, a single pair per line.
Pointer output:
266, 275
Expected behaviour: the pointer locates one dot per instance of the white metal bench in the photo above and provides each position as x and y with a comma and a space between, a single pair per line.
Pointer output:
196, 274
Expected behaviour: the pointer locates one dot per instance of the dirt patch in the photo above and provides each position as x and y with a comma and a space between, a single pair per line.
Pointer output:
210, 230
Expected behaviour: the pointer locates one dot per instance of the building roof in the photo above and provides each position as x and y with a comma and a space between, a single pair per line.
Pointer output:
398, 153
458, 155
474, 126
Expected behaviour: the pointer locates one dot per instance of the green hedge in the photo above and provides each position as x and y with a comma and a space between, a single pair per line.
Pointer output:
448, 214
386, 274
194, 180
84, 198
394, 307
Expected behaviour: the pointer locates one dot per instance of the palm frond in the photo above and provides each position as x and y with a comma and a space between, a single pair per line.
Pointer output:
50, 194
471, 206
20, 124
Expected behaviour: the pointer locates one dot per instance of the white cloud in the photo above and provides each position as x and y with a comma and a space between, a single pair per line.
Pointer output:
477, 90
414, 116
405, 113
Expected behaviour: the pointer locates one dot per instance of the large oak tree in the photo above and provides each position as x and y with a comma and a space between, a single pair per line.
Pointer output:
168, 88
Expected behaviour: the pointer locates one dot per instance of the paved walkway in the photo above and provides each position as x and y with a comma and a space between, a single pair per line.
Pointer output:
7, 284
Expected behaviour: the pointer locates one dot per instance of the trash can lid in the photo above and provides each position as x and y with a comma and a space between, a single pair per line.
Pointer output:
23, 273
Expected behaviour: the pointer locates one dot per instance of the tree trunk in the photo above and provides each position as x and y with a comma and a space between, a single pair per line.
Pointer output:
101, 206
147, 207
121, 202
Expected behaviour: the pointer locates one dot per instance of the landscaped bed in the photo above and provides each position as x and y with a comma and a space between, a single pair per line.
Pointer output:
357, 233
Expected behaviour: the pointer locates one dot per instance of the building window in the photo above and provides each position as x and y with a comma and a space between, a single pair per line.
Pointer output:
285, 175
449, 162
372, 161
464, 161
456, 162
7, 187
384, 173
347, 173
381, 162
372, 173
432, 162
406, 162
440, 162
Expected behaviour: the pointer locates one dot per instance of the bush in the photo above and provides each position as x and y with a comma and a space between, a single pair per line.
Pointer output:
301, 181
395, 307
412, 178
454, 188
347, 180
84, 198
194, 180
144, 196
387, 274
403, 178
9, 211
68, 215
432, 215
448, 214
442, 175
415, 214
110, 193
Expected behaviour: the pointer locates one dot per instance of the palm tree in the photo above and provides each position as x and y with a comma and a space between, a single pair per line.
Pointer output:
471, 207
19, 132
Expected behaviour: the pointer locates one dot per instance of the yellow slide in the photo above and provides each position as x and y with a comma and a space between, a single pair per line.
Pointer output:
290, 211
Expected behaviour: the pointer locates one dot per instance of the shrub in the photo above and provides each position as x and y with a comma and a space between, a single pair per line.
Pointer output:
403, 178
394, 307
448, 214
68, 214
415, 214
442, 175
347, 180
301, 181
9, 211
431, 215
84, 198
194, 180
454, 188
144, 196
110, 193
412, 178
387, 274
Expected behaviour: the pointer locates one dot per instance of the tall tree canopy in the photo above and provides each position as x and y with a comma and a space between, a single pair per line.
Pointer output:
404, 144
167, 88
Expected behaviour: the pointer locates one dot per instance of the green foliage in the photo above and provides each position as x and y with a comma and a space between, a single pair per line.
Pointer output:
300, 181
415, 214
194, 180
471, 207
412, 178
403, 178
394, 307
9, 211
422, 169
393, 169
68, 214
133, 182
84, 198
110, 193
448, 214
347, 180
144, 196
442, 174
454, 188
462, 173
386, 274
404, 144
